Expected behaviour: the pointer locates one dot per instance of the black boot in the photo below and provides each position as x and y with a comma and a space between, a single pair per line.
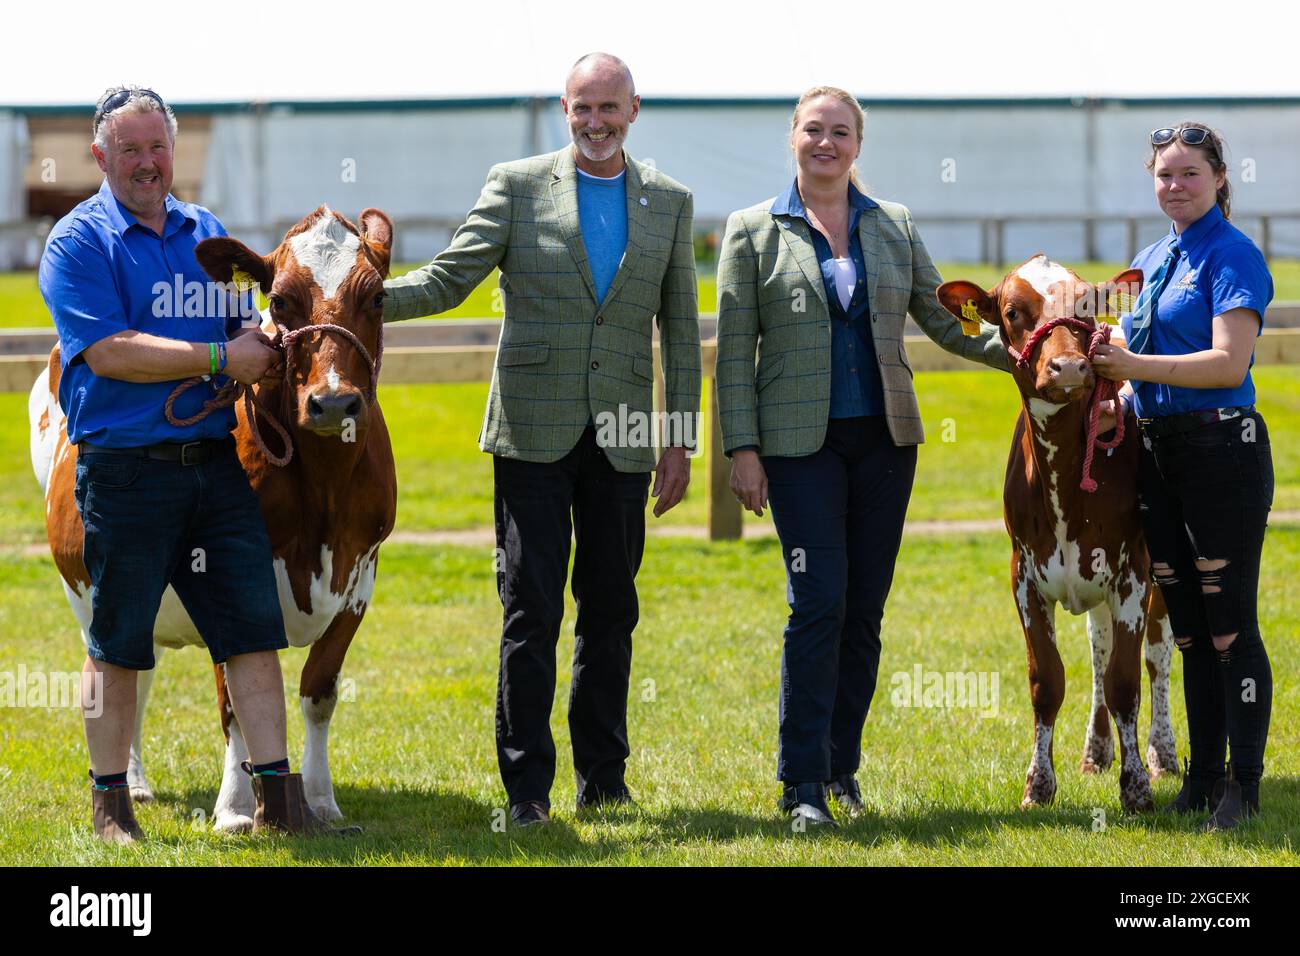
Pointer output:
1197, 793
847, 794
1231, 808
806, 804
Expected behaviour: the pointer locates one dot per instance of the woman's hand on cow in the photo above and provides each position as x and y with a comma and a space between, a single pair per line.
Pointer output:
1116, 362
749, 481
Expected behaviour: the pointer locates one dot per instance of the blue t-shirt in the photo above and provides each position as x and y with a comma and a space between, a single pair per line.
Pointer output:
1220, 269
856, 387
103, 272
602, 214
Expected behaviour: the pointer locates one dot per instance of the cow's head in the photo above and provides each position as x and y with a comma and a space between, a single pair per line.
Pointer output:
1057, 369
326, 271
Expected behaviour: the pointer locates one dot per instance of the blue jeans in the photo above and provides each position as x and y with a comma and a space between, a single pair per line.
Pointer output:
839, 513
199, 528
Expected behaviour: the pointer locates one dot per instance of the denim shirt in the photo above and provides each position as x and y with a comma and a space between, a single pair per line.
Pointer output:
856, 387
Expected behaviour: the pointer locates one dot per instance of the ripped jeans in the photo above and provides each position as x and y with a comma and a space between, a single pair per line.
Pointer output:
1205, 495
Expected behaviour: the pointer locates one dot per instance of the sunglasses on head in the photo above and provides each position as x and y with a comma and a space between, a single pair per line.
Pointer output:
1191, 135
120, 98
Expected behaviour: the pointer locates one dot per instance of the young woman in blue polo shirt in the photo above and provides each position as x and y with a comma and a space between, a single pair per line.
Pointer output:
1205, 480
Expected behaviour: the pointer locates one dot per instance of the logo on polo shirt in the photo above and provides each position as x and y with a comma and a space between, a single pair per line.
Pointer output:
1187, 282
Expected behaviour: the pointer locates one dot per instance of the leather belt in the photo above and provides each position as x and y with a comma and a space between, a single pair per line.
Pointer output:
186, 453
1167, 425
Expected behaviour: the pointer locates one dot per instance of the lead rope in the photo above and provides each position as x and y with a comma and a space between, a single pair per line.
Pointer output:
232, 391
1103, 389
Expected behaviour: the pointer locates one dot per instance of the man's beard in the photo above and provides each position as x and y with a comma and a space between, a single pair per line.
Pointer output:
598, 152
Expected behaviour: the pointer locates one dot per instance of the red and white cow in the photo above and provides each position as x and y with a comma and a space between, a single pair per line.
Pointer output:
327, 510
1083, 550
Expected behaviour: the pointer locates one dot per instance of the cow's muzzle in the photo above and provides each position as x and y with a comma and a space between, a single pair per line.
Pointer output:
331, 414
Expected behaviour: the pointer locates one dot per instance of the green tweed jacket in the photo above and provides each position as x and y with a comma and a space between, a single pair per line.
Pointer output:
564, 358
772, 304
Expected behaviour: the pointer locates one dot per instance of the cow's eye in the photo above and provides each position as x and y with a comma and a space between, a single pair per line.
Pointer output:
276, 301
379, 301
1011, 312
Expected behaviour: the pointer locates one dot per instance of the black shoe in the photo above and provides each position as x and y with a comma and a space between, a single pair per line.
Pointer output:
606, 801
847, 794
1230, 809
1197, 794
529, 813
806, 804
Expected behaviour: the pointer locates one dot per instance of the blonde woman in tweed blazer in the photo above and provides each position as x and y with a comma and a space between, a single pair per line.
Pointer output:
815, 285
595, 249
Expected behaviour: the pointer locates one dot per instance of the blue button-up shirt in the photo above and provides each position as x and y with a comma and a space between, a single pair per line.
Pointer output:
856, 387
1220, 269
103, 272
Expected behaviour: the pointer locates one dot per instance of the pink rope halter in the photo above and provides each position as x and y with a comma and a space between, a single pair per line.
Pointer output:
1103, 389
232, 391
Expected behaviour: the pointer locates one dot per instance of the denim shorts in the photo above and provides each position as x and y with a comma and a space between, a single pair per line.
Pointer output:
199, 528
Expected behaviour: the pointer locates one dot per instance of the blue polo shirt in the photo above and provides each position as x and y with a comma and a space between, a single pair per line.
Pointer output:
103, 272
1219, 269
856, 388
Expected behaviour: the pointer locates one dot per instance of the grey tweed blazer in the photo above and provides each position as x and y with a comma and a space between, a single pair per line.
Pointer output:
564, 358
772, 306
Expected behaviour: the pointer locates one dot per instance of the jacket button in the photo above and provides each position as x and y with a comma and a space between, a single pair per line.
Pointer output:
595, 365
600, 320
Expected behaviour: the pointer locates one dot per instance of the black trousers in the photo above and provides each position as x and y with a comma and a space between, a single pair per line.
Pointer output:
839, 513
1205, 496
537, 507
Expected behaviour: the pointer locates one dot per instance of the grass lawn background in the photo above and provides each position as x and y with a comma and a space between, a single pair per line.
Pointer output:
413, 756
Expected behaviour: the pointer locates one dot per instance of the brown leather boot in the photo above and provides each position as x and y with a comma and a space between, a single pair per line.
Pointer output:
113, 815
282, 806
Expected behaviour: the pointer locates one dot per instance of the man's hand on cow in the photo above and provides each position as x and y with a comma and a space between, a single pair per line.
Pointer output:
672, 476
1105, 416
1116, 362
749, 481
249, 357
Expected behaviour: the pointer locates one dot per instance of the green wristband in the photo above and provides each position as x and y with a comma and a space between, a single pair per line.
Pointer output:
212, 357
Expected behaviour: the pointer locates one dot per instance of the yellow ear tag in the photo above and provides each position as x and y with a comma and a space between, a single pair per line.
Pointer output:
970, 318
242, 280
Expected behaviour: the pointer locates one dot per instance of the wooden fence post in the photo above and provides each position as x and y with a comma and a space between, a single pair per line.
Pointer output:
725, 519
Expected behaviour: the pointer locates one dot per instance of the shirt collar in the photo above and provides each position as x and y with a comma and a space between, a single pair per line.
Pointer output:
789, 202
122, 219
1195, 234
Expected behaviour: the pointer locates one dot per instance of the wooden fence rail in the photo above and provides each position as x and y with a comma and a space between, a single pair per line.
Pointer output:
440, 364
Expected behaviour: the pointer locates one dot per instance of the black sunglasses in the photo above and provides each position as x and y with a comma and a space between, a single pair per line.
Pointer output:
120, 98
1191, 135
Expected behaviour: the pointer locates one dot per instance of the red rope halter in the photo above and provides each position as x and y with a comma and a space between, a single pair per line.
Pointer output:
232, 391
1103, 389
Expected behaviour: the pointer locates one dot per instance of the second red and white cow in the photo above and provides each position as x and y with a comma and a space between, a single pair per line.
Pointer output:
1082, 550
327, 510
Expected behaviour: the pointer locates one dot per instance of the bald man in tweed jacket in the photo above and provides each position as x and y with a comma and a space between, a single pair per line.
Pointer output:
594, 248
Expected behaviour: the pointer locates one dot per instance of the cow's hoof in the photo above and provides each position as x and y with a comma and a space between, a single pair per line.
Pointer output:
1039, 792
327, 810
141, 794
1090, 766
1135, 793
232, 823
1162, 764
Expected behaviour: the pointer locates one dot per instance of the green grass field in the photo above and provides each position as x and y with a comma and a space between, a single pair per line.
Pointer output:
413, 757
21, 305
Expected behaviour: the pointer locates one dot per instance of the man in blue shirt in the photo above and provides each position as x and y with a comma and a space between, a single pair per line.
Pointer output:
116, 274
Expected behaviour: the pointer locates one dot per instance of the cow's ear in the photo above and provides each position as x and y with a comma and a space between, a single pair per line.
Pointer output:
229, 260
377, 231
1122, 291
969, 303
